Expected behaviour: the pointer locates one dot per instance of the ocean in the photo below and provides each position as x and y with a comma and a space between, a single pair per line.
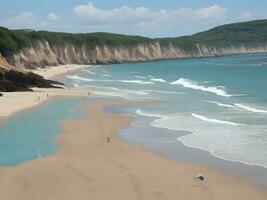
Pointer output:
208, 111
33, 133
217, 105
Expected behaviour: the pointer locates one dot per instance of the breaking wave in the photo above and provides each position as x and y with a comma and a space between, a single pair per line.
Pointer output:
221, 104
89, 72
250, 108
142, 113
187, 83
158, 80
76, 77
137, 82
142, 77
214, 120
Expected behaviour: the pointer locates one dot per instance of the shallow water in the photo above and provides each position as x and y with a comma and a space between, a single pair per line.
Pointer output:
33, 133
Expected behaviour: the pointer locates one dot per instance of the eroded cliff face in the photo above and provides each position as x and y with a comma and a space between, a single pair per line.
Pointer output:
15, 80
41, 54
4, 63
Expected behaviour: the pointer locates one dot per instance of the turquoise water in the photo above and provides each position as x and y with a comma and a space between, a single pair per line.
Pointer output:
221, 102
33, 133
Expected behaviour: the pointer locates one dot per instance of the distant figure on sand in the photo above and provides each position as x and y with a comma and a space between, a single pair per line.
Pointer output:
39, 99
108, 139
200, 177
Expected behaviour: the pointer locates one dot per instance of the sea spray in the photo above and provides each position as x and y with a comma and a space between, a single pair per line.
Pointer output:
187, 83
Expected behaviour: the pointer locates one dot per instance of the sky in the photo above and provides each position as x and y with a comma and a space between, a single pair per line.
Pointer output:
151, 18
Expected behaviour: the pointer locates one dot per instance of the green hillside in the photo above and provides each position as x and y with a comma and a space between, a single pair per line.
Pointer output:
11, 41
246, 33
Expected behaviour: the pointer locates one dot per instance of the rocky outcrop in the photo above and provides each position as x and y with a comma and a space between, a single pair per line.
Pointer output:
42, 53
3, 62
14, 80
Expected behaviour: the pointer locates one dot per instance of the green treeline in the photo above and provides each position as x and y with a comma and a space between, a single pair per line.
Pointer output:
253, 33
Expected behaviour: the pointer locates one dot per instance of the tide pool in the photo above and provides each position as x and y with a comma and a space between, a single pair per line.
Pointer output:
33, 133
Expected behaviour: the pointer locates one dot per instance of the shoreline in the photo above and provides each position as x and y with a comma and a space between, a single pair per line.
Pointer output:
88, 165
24, 100
12, 102
158, 142
166, 143
54, 71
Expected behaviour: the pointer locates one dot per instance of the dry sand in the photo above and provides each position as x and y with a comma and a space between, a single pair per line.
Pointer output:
88, 166
13, 102
52, 71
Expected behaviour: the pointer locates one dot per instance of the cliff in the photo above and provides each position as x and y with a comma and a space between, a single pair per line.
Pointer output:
42, 54
31, 49
15, 80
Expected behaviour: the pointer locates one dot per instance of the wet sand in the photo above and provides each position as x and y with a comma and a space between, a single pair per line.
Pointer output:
164, 142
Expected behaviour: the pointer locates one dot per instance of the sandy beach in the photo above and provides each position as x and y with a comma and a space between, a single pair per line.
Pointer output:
94, 163
53, 71
13, 102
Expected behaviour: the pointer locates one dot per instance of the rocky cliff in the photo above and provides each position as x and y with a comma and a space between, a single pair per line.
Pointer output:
15, 80
30, 49
42, 53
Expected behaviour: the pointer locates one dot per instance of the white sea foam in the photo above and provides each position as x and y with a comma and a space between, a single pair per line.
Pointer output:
164, 92
105, 75
106, 72
242, 159
137, 82
93, 73
152, 79
126, 91
250, 108
76, 77
225, 141
118, 92
221, 104
194, 85
142, 77
158, 80
214, 120
89, 72
112, 94
259, 64
237, 105
155, 115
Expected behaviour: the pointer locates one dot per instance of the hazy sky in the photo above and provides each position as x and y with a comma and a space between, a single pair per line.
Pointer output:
154, 18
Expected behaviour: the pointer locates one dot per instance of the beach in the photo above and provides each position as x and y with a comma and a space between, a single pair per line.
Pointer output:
13, 102
53, 71
133, 100
94, 163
